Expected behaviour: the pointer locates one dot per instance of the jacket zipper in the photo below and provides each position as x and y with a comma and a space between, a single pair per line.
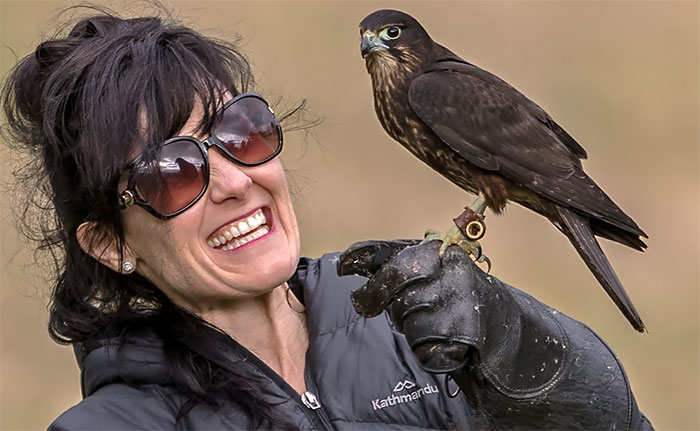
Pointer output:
310, 400
313, 406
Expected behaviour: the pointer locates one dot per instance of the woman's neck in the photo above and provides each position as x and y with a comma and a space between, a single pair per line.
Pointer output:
269, 327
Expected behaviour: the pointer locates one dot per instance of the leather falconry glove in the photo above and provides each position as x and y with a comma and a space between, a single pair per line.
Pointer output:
510, 354
451, 312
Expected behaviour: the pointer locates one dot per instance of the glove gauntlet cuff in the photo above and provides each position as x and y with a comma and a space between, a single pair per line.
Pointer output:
523, 351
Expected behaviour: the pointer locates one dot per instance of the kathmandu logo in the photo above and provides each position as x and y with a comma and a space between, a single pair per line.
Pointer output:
405, 397
406, 384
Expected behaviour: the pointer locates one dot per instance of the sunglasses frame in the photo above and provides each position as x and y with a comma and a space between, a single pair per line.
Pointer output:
131, 197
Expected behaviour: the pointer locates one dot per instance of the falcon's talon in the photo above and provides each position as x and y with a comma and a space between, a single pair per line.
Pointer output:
483, 259
479, 254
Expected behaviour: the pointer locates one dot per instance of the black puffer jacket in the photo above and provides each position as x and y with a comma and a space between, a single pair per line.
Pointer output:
360, 374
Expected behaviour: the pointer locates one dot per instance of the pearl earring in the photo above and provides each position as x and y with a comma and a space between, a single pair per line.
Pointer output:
128, 267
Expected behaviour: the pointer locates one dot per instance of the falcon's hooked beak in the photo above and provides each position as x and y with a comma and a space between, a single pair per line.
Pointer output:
371, 43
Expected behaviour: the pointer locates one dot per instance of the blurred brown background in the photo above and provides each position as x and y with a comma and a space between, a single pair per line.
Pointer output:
622, 77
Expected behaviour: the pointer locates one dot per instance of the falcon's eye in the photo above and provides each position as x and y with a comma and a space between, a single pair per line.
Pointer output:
392, 32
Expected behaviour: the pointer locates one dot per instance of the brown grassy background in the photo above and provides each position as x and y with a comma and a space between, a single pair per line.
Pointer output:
621, 77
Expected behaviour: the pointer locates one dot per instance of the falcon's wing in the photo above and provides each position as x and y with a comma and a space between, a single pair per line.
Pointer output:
496, 128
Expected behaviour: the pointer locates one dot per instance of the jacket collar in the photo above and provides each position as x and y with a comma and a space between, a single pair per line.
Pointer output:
140, 359
136, 360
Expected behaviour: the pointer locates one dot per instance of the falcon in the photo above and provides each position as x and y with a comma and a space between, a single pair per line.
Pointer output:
489, 139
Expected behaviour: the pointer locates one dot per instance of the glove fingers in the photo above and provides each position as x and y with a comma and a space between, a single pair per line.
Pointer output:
443, 307
364, 258
414, 299
441, 337
441, 356
455, 257
454, 322
442, 319
410, 265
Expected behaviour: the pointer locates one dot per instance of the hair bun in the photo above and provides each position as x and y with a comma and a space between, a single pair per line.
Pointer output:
49, 52
91, 27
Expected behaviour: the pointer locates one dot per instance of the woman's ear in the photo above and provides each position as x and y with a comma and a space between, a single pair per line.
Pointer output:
104, 248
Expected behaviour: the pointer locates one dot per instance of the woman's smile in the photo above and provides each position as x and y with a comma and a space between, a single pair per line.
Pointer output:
242, 231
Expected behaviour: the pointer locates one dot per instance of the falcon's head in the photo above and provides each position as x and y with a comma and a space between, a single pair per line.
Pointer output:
393, 42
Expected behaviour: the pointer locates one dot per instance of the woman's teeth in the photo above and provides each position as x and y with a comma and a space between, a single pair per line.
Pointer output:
240, 241
240, 232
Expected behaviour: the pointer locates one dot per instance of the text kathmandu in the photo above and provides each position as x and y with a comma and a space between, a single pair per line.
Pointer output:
395, 399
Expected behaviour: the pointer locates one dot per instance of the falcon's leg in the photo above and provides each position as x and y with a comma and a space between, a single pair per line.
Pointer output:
468, 228
453, 236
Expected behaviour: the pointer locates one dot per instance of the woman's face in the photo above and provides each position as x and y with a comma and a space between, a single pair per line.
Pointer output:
183, 256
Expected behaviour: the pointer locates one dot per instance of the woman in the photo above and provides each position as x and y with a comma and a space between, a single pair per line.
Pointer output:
181, 286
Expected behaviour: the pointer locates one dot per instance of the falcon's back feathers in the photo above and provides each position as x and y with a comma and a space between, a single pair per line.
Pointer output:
498, 129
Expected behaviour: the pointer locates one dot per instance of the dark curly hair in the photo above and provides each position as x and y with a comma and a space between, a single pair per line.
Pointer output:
77, 106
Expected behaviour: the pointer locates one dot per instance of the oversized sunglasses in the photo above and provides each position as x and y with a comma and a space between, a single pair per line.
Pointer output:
245, 131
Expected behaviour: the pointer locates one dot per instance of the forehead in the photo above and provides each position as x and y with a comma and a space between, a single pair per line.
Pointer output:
195, 125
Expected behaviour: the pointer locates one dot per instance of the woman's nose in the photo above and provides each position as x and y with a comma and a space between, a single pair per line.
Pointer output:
226, 179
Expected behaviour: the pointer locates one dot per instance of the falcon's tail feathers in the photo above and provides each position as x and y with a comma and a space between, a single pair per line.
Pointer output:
613, 233
577, 228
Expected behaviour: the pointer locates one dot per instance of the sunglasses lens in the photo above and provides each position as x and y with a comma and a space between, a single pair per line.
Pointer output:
249, 131
174, 179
